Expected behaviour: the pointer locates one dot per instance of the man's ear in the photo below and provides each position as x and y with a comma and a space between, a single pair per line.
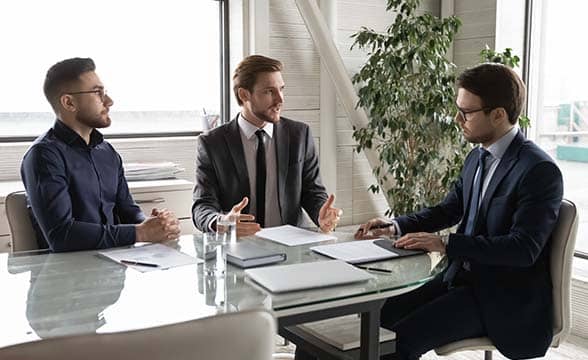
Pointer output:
67, 103
499, 116
244, 94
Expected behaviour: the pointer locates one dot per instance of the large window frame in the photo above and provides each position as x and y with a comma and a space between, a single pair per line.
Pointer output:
224, 94
527, 76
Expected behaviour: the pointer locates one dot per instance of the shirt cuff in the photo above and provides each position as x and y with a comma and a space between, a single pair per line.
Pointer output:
396, 227
445, 239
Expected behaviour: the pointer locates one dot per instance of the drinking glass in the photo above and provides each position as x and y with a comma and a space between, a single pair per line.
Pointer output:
226, 228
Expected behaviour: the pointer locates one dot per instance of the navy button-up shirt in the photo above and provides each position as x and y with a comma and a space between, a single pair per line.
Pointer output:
77, 192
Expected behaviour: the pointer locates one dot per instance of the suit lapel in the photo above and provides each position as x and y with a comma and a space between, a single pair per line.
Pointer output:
282, 142
506, 163
235, 146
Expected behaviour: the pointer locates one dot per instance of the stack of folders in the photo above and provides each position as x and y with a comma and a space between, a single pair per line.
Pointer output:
245, 255
151, 171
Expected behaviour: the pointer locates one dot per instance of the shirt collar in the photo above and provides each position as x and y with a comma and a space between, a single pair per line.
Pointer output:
249, 129
71, 137
498, 148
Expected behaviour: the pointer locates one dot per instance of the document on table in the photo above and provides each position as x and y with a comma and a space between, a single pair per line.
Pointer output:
355, 252
150, 257
292, 236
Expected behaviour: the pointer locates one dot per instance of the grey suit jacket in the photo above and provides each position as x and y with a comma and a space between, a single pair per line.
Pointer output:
222, 179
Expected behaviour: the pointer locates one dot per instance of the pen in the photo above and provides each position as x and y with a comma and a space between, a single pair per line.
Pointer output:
374, 269
382, 226
131, 262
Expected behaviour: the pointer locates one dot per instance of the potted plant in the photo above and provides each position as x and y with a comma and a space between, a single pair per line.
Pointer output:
407, 88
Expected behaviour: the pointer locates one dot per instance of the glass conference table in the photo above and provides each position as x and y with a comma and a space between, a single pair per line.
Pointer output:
47, 295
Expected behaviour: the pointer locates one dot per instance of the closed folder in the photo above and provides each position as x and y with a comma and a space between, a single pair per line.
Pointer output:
245, 255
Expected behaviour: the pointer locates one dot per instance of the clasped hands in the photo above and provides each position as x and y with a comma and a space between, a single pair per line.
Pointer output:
329, 216
161, 225
419, 240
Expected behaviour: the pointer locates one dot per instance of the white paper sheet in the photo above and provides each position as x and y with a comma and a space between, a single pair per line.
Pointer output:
354, 252
292, 236
164, 256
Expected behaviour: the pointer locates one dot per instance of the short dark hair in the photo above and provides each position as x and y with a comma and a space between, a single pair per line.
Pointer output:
497, 85
246, 72
60, 75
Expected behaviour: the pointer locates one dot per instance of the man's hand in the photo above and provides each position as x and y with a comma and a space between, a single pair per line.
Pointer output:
245, 222
161, 225
421, 240
373, 229
329, 216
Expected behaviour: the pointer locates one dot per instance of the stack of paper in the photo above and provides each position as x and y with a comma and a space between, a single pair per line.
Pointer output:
355, 252
149, 257
151, 171
292, 236
342, 332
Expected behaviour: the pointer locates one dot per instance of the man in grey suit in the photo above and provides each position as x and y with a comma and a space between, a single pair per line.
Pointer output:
260, 166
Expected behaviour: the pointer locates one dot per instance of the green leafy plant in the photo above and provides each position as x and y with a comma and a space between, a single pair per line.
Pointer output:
407, 88
509, 59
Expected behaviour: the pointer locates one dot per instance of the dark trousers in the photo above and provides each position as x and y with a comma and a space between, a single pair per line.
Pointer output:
428, 317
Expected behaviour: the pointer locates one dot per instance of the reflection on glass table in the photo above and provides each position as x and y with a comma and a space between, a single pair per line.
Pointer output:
46, 295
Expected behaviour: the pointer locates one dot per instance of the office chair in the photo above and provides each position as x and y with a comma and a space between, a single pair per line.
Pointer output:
237, 336
22, 232
563, 240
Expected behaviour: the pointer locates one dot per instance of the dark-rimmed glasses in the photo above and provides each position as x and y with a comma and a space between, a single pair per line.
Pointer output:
464, 113
100, 92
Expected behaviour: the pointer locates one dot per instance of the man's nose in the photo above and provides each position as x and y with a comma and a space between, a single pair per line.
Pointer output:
279, 98
108, 100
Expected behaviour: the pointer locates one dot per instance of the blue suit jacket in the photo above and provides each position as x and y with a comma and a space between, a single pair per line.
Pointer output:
509, 254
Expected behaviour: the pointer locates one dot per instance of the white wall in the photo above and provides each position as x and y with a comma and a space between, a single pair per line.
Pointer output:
478, 28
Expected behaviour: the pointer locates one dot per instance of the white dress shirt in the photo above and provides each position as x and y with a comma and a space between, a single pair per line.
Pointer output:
249, 139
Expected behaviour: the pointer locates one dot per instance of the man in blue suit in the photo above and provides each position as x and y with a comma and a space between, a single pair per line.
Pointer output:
506, 201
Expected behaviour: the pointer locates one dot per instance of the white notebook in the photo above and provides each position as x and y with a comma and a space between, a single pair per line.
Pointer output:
311, 275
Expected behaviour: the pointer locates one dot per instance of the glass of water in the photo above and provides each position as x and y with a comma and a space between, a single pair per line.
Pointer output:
213, 254
226, 228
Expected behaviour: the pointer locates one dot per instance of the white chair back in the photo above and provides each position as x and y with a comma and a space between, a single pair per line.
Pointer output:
237, 336
563, 242
22, 232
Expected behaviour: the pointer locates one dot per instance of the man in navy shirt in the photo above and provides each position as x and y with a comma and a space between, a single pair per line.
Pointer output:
75, 180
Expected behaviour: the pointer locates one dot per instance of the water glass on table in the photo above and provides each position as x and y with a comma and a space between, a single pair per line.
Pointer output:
226, 228
214, 254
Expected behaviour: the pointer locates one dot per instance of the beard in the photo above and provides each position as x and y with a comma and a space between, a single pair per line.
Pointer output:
98, 121
268, 115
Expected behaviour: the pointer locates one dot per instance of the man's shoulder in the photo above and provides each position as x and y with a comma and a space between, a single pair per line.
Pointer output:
293, 124
46, 142
533, 154
216, 133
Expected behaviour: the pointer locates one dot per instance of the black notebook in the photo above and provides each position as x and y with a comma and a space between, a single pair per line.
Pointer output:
245, 255
389, 245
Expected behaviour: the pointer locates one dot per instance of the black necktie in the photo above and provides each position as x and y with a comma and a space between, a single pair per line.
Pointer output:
260, 179
472, 211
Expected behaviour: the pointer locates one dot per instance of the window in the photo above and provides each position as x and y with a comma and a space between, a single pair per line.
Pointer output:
159, 61
558, 96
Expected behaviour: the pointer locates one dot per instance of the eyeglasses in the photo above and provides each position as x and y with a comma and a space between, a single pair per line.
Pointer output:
100, 92
464, 113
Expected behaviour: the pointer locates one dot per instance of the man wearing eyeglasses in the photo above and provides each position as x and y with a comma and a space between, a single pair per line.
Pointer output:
75, 180
505, 203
